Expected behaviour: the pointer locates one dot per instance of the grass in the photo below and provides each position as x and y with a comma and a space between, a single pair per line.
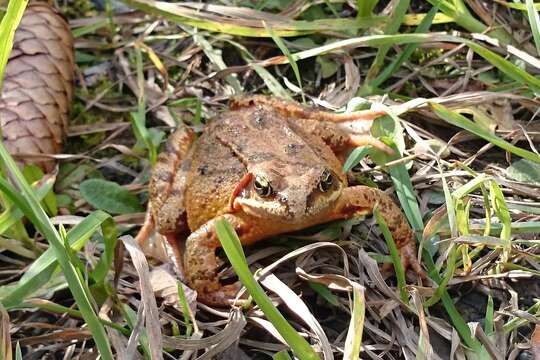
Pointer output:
68, 286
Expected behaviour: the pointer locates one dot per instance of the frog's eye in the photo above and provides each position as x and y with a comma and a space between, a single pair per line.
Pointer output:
262, 186
326, 181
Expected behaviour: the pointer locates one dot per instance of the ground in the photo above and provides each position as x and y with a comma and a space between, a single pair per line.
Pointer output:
467, 178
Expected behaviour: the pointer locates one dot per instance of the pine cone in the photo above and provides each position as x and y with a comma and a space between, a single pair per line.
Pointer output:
38, 86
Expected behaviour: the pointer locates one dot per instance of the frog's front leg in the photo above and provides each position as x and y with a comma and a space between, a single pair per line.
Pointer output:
361, 200
201, 264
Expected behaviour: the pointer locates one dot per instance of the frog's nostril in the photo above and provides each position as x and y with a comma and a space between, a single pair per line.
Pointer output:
282, 199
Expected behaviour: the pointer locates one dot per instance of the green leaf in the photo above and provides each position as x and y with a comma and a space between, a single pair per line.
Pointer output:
355, 157
109, 196
328, 66
525, 171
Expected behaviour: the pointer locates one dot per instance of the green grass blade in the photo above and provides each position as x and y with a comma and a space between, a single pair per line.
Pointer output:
441, 289
52, 307
215, 58
181, 14
10, 21
457, 320
231, 245
355, 157
353, 341
13, 214
457, 10
423, 27
39, 273
519, 6
489, 328
392, 27
464, 123
511, 70
138, 119
365, 7
282, 355
185, 309
534, 21
29, 203
519, 321
394, 253
498, 204
286, 52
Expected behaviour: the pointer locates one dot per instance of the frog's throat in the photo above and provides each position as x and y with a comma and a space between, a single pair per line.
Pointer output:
277, 211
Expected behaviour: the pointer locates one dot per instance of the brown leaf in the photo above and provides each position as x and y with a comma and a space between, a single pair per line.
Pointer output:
38, 86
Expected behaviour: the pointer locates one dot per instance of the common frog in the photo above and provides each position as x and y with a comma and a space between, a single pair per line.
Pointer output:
269, 167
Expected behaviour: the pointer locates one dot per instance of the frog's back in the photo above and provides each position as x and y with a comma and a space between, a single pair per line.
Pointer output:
259, 134
215, 171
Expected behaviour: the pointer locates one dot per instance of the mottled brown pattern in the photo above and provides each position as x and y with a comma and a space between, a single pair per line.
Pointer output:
280, 146
167, 184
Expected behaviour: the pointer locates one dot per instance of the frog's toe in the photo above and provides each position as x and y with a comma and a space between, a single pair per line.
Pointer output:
409, 262
363, 140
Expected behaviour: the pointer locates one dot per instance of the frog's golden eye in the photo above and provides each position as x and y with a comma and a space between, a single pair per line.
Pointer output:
326, 181
262, 186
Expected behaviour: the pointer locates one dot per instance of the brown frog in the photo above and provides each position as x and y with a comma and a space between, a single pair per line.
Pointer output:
269, 167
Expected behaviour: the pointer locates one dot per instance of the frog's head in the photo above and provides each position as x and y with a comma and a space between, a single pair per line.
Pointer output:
287, 192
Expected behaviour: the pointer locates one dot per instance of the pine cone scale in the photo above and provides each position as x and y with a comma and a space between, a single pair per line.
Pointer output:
38, 86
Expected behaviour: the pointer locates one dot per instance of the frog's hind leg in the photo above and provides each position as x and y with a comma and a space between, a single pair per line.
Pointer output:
295, 110
341, 132
166, 210
361, 200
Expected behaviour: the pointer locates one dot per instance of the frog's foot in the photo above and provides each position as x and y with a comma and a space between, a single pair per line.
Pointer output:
145, 231
202, 265
361, 200
216, 294
297, 111
409, 260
